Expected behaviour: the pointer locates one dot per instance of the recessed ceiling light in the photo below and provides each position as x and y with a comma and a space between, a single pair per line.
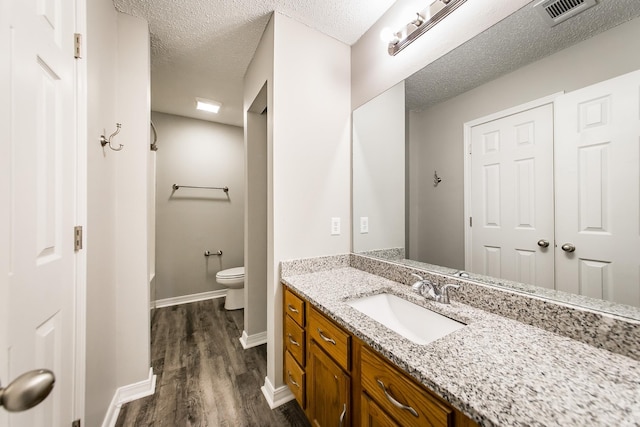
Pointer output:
208, 105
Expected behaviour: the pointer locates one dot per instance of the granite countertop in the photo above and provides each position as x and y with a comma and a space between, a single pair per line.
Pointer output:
497, 371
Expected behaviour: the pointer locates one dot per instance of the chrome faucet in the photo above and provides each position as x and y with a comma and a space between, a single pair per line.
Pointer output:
424, 287
428, 290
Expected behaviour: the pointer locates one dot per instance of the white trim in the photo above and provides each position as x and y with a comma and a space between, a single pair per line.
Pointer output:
185, 299
249, 341
80, 303
550, 99
126, 394
276, 397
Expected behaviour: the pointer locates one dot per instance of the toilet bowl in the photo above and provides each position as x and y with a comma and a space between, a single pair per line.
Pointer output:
233, 279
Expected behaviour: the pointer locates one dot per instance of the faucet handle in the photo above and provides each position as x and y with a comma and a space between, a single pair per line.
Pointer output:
417, 276
444, 292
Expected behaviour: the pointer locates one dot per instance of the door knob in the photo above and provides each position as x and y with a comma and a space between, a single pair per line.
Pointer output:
543, 243
568, 247
27, 390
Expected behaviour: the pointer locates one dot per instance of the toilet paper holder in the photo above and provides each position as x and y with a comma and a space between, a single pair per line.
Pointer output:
209, 253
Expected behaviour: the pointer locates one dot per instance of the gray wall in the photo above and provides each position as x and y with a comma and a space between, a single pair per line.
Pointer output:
436, 135
190, 221
255, 257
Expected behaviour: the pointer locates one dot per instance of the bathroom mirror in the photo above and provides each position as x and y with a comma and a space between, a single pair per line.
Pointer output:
408, 143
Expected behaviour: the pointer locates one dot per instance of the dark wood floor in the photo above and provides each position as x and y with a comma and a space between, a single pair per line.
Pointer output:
204, 376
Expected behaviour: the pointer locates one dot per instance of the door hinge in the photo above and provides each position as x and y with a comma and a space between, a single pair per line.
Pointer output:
469, 149
77, 45
75, 423
470, 221
77, 237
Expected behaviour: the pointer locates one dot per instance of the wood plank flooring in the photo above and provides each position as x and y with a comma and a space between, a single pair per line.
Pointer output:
204, 376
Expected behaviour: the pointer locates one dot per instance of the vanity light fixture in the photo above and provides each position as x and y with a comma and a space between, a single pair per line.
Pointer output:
424, 21
208, 105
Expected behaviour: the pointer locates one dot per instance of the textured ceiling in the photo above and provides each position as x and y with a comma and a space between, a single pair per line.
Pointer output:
202, 48
518, 40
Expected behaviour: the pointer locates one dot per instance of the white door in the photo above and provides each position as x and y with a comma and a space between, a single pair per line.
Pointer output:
39, 202
512, 197
598, 190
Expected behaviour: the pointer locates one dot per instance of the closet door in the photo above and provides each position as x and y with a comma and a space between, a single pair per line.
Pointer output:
512, 197
597, 161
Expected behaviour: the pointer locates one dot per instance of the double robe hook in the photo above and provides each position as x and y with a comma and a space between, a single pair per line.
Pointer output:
104, 140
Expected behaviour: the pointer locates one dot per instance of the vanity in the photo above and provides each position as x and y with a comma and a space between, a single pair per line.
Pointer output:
345, 368
338, 379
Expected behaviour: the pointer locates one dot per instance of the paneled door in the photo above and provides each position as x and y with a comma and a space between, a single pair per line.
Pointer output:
38, 196
598, 190
512, 197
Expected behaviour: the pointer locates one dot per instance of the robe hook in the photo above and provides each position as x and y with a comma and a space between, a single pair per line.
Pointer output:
436, 179
104, 140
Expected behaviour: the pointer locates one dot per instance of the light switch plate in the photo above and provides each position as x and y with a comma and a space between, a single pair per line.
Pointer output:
335, 226
364, 224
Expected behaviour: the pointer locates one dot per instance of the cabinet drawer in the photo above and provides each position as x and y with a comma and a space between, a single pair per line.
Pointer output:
294, 340
295, 378
294, 307
330, 337
399, 396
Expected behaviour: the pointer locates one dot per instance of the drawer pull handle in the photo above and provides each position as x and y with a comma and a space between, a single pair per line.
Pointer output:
394, 402
343, 415
293, 309
294, 342
331, 340
291, 380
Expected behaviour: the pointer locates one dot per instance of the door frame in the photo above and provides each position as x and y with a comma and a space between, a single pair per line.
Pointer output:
467, 126
80, 324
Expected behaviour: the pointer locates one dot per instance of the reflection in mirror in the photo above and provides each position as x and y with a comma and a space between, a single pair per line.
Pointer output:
519, 64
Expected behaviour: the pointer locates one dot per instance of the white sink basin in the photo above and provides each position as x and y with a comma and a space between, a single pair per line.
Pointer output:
416, 323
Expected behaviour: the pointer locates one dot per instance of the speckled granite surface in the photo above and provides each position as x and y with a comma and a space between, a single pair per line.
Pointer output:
602, 330
621, 310
311, 265
496, 370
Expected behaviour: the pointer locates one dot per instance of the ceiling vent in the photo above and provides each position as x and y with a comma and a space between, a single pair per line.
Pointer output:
556, 11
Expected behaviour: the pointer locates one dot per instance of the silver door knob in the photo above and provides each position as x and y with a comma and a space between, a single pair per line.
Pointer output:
27, 390
543, 243
568, 247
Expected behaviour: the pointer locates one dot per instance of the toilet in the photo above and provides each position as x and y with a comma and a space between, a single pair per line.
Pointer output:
233, 279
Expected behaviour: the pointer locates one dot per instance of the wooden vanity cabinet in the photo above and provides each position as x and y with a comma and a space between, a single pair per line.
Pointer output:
295, 346
328, 390
372, 415
345, 383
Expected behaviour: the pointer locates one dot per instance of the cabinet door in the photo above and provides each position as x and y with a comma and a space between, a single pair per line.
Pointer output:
373, 415
327, 389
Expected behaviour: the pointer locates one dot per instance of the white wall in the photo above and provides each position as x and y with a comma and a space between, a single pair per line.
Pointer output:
258, 76
190, 221
132, 232
379, 171
436, 135
117, 335
101, 347
311, 155
374, 70
308, 159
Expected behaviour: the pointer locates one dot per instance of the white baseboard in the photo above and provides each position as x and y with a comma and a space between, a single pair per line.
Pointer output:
254, 340
126, 394
185, 299
276, 397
